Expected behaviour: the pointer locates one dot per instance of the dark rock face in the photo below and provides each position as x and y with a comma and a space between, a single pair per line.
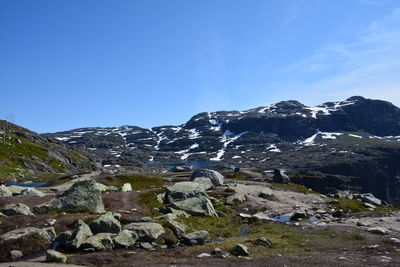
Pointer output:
280, 177
352, 144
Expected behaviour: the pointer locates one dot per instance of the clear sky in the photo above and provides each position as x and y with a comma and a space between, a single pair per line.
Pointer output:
67, 64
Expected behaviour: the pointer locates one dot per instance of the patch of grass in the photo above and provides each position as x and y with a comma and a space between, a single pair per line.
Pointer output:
148, 201
138, 182
239, 176
57, 165
296, 188
347, 205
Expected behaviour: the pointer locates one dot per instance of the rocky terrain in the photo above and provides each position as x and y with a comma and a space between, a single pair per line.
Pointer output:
352, 144
28, 156
200, 217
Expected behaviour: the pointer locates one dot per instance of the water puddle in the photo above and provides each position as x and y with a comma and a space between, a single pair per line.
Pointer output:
244, 231
27, 185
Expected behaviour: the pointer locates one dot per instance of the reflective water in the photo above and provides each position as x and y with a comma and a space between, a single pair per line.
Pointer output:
27, 185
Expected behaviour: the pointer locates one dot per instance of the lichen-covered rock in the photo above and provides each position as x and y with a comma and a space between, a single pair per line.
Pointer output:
44, 234
83, 195
146, 231
184, 190
280, 177
101, 187
235, 199
125, 239
32, 192
197, 206
240, 250
177, 227
216, 178
106, 223
102, 241
16, 209
266, 193
15, 255
16, 190
81, 233
204, 181
127, 187
195, 238
63, 238
55, 256
5, 191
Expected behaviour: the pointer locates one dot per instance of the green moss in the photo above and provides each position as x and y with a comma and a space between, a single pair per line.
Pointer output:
296, 188
57, 165
347, 205
149, 202
138, 182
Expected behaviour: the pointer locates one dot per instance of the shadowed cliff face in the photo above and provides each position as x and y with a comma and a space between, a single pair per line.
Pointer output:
354, 139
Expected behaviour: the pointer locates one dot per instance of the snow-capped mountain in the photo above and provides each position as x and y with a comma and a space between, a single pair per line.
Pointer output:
244, 136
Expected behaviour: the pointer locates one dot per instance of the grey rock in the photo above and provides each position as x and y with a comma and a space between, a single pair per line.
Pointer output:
217, 252
145, 219
178, 228
44, 234
280, 177
5, 191
55, 256
105, 224
196, 206
83, 195
298, 215
167, 210
81, 233
216, 178
369, 206
203, 255
262, 241
235, 199
2, 215
195, 238
204, 181
126, 239
146, 231
161, 197
378, 230
343, 194
240, 250
16, 190
127, 187
16, 209
146, 246
15, 255
184, 168
99, 242
266, 193
63, 238
112, 188
369, 198
184, 190
101, 187
32, 192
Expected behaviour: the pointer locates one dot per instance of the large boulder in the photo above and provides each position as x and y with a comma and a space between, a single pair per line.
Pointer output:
240, 250
280, 177
81, 233
16, 190
195, 238
176, 226
105, 224
235, 199
17, 209
83, 195
32, 192
55, 256
102, 241
45, 234
184, 190
127, 187
5, 191
204, 181
216, 178
369, 198
15, 255
197, 206
146, 231
125, 239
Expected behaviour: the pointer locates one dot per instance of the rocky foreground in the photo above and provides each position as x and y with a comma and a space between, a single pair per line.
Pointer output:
197, 218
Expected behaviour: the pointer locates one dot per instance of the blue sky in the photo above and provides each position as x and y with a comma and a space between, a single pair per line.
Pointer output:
76, 63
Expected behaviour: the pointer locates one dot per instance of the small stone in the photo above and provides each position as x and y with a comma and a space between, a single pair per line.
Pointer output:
202, 255
378, 230
16, 209
217, 252
263, 242
338, 214
240, 250
146, 246
126, 187
55, 256
15, 255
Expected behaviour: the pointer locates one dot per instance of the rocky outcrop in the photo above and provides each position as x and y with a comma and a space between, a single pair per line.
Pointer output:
126, 187
146, 231
235, 199
184, 190
195, 238
196, 206
125, 239
5, 192
81, 233
16, 209
55, 256
216, 178
83, 195
105, 224
280, 177
45, 234
240, 250
99, 242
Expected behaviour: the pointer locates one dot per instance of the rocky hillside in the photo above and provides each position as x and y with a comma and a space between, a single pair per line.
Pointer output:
25, 155
352, 144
